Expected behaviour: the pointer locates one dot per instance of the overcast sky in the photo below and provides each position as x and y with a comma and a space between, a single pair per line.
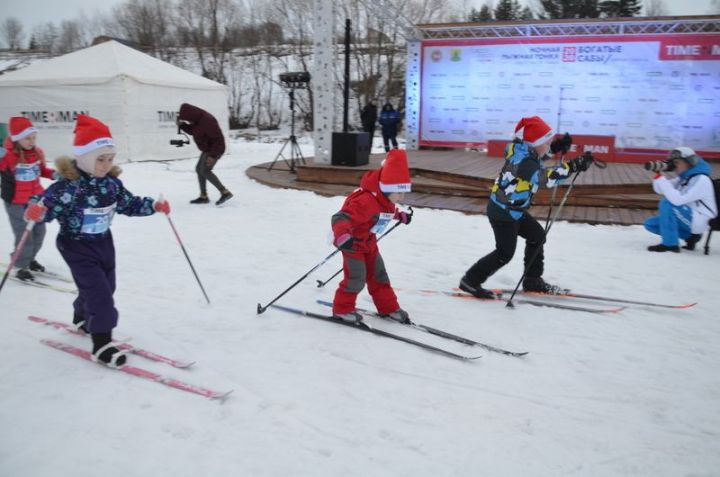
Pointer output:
34, 12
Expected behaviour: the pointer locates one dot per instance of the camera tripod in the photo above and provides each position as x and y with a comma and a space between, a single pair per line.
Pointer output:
295, 152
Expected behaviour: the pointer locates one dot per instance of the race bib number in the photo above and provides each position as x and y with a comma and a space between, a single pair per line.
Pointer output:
97, 220
27, 172
382, 222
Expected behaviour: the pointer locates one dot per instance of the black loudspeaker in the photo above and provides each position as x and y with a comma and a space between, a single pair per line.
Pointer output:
350, 148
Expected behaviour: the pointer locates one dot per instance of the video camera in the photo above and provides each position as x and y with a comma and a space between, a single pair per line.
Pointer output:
180, 142
660, 166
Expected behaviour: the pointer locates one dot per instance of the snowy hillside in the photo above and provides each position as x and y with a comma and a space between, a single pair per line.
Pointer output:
630, 394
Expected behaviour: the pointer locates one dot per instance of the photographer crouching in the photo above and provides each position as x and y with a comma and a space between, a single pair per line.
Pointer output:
688, 202
209, 139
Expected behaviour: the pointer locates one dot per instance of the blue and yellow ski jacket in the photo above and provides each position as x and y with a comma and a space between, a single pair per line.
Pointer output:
521, 176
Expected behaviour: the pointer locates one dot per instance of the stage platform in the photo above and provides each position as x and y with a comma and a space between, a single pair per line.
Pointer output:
461, 180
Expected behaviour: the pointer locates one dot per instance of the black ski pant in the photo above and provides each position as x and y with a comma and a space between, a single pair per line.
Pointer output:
506, 234
371, 131
205, 174
387, 138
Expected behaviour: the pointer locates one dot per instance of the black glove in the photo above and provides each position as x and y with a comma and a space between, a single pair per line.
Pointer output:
561, 144
580, 164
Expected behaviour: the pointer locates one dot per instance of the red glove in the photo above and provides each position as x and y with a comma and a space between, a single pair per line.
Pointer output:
344, 242
403, 217
35, 212
162, 205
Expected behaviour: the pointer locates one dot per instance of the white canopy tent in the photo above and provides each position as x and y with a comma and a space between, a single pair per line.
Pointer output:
136, 95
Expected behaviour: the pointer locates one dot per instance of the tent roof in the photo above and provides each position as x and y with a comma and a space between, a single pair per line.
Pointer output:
102, 63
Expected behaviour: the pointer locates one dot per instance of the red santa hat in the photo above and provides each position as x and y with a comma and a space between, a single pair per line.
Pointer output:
20, 128
92, 139
533, 130
395, 174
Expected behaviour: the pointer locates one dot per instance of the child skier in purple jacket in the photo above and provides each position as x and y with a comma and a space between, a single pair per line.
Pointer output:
84, 202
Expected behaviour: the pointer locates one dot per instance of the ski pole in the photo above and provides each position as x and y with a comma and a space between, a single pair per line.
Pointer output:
261, 309
597, 163
17, 252
322, 284
510, 303
177, 236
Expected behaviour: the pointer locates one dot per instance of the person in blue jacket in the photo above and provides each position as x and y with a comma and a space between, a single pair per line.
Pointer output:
84, 201
688, 202
510, 199
390, 120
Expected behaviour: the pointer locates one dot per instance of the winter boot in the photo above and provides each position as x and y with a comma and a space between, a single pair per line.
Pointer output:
79, 323
224, 197
36, 267
351, 317
538, 285
25, 275
691, 241
200, 200
105, 352
476, 291
399, 315
664, 248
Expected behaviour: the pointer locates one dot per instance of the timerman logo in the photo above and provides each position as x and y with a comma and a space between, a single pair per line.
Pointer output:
53, 116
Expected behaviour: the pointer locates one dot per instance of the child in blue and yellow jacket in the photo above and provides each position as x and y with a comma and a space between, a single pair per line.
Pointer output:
510, 199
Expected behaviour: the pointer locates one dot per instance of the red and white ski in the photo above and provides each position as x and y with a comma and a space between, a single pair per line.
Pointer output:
140, 372
123, 346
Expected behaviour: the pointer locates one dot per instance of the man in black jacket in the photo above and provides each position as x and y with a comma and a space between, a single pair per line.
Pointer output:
368, 117
209, 139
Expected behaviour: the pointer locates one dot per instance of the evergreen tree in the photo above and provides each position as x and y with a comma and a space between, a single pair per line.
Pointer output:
569, 9
33, 44
508, 10
620, 8
486, 14
526, 14
482, 15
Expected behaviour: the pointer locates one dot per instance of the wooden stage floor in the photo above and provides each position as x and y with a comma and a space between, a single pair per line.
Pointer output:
461, 180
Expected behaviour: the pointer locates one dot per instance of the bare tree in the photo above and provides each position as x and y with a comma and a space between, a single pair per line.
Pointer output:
46, 37
70, 37
148, 23
207, 25
12, 32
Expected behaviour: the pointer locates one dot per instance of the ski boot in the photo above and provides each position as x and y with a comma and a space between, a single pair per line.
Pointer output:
105, 352
538, 285
476, 291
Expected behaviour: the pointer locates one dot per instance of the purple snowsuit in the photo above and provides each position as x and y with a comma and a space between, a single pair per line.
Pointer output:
84, 207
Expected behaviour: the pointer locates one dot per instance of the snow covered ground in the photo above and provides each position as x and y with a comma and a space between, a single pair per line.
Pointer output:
632, 394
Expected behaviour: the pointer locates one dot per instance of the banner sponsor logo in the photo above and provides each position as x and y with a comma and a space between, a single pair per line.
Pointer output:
53, 116
694, 48
167, 116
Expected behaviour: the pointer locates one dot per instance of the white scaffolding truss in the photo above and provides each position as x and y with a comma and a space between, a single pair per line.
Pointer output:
555, 28
323, 79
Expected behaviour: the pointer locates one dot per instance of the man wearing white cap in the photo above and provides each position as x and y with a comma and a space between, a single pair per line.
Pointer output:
688, 202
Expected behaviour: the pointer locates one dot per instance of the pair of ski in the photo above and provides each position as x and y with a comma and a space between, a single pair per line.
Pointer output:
364, 326
44, 283
457, 293
131, 370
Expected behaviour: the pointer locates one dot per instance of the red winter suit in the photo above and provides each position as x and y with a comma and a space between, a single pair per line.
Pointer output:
25, 184
365, 213
20, 173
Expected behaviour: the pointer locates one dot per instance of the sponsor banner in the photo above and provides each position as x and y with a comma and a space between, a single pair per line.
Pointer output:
640, 90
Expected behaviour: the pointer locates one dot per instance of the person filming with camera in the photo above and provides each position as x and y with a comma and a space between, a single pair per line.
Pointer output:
209, 139
688, 202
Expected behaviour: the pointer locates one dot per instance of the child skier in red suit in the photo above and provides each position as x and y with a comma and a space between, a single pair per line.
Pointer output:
21, 170
365, 213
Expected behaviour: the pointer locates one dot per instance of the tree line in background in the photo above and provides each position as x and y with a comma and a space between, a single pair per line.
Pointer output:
567, 9
246, 43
